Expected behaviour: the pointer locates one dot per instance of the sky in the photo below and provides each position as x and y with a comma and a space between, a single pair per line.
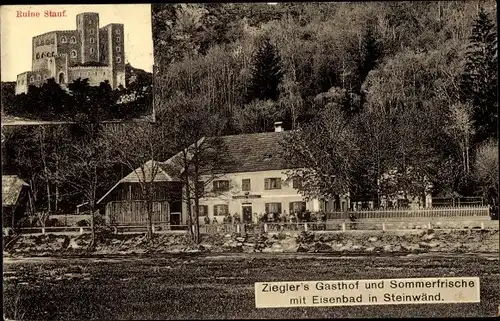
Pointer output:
16, 33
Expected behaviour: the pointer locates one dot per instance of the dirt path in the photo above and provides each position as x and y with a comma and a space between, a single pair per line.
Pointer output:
240, 256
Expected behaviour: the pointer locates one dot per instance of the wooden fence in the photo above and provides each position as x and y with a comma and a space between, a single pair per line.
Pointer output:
401, 214
339, 227
125, 212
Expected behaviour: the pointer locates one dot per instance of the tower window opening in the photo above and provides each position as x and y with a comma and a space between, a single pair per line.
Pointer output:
63, 39
73, 53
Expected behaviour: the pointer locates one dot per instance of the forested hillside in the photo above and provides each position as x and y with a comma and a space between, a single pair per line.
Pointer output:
413, 83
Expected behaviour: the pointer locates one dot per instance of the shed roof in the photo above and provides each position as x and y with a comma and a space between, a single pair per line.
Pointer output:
12, 186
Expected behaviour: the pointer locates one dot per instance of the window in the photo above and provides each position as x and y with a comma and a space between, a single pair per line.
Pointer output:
63, 39
272, 183
95, 73
37, 55
297, 207
43, 55
221, 186
297, 183
32, 79
273, 208
245, 184
92, 40
91, 31
104, 73
73, 53
117, 31
47, 41
38, 77
118, 49
118, 59
52, 54
72, 39
221, 210
91, 50
118, 39
202, 210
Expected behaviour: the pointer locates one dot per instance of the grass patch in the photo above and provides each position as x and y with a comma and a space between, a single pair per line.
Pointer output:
195, 287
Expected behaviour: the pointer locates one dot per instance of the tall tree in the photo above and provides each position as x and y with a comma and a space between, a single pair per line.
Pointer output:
141, 147
85, 164
479, 80
266, 72
322, 154
486, 170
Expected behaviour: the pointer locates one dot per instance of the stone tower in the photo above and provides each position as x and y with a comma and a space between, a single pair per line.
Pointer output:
87, 25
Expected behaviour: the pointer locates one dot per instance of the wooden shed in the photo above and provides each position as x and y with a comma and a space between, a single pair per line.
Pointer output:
16, 200
124, 203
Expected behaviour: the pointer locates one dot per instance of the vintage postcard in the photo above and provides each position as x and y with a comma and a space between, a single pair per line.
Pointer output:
53, 55
324, 160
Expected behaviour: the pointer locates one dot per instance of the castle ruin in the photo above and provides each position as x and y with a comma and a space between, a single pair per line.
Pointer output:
89, 52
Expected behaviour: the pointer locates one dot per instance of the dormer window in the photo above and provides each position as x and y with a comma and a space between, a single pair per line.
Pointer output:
63, 39
72, 39
73, 53
38, 77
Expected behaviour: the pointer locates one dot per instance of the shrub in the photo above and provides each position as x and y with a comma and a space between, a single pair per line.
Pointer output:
82, 223
53, 222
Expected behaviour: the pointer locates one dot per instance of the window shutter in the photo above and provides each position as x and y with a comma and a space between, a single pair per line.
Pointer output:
266, 183
278, 205
215, 210
291, 207
267, 207
278, 183
205, 210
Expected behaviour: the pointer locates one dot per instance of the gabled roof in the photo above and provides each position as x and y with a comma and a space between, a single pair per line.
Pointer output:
253, 152
144, 173
12, 186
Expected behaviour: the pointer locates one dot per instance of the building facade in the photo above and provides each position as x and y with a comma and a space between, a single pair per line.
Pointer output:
88, 52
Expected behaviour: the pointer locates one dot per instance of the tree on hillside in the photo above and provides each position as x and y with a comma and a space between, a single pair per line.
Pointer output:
486, 170
370, 51
266, 73
257, 116
479, 80
322, 155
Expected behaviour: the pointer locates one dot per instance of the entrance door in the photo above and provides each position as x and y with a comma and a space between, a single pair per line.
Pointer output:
247, 213
175, 221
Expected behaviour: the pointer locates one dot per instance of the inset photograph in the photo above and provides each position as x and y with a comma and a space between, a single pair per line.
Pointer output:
71, 63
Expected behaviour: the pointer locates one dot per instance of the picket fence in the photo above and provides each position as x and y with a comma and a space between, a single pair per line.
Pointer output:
398, 214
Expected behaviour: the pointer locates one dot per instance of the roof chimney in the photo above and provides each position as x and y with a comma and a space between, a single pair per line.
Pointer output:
278, 126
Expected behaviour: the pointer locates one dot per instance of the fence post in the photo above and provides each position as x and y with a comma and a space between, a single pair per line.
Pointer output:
238, 228
343, 227
430, 225
43, 230
81, 230
482, 225
153, 229
383, 226
305, 226
265, 227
